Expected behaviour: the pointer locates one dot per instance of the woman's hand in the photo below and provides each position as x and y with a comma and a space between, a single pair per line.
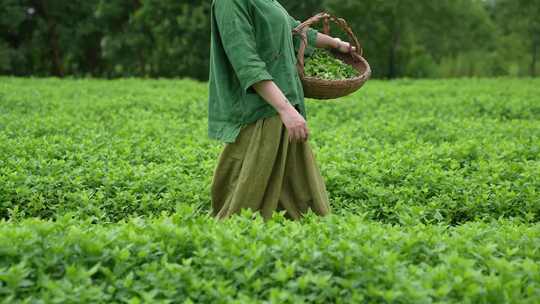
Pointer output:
293, 121
343, 46
329, 42
295, 124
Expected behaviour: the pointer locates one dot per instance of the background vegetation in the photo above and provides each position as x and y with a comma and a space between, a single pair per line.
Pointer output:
104, 185
170, 38
434, 185
396, 152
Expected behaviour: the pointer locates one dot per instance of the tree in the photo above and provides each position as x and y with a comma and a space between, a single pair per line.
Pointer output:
302, 10
155, 37
520, 19
398, 33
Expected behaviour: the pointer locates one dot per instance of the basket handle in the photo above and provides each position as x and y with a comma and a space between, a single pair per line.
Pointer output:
302, 28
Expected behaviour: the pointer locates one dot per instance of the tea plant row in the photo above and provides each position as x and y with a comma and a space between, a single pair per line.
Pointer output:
407, 152
336, 259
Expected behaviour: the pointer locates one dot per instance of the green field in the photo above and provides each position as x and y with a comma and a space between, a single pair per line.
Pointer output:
434, 186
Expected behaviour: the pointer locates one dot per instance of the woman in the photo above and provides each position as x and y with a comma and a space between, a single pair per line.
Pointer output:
256, 107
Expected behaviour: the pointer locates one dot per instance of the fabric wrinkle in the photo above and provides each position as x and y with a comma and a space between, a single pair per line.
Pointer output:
273, 175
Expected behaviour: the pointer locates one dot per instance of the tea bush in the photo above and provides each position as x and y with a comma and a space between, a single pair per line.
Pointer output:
434, 186
336, 259
400, 152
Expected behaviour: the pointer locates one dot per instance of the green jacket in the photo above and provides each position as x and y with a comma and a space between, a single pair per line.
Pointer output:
251, 41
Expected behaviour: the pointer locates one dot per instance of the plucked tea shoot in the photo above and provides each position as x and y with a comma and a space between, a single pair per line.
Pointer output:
321, 64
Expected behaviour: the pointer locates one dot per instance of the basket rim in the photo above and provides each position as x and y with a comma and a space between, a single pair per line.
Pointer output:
363, 76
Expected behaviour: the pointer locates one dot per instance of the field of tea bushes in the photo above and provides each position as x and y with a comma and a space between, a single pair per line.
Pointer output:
434, 186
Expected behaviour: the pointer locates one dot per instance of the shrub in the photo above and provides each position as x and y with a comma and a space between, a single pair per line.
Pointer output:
337, 259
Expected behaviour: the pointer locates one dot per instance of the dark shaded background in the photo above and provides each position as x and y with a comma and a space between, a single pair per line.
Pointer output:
170, 38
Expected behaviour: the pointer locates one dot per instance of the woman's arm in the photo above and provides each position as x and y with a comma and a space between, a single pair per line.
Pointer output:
327, 42
269, 91
293, 121
319, 40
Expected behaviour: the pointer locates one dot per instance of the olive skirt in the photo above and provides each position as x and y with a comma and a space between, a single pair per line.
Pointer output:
265, 172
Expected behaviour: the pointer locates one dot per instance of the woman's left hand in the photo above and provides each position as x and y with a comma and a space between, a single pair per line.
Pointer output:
343, 46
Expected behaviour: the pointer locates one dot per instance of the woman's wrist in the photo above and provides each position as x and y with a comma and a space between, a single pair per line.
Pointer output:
283, 106
272, 94
327, 42
337, 43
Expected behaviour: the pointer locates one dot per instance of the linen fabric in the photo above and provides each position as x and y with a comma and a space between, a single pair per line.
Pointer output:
251, 41
265, 172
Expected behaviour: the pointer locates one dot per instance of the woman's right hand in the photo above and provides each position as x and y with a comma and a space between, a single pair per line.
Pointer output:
295, 124
293, 121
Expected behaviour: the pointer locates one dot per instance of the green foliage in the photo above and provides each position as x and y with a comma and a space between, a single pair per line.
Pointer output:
321, 64
519, 30
337, 259
434, 187
409, 38
302, 10
170, 38
5, 63
155, 38
105, 38
398, 152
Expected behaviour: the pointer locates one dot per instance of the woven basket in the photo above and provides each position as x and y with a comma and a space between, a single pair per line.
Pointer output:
329, 89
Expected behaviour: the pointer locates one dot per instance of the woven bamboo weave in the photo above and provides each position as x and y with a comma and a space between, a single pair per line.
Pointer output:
330, 89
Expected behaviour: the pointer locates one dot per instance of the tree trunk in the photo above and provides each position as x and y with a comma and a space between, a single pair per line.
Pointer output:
92, 54
58, 68
393, 62
395, 41
140, 53
535, 43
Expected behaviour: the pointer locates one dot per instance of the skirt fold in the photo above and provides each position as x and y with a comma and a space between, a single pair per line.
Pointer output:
262, 171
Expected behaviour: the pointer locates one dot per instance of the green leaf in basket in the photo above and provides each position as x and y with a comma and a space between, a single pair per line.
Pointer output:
325, 66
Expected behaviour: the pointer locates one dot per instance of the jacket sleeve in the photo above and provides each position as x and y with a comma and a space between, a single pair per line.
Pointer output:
237, 37
311, 38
